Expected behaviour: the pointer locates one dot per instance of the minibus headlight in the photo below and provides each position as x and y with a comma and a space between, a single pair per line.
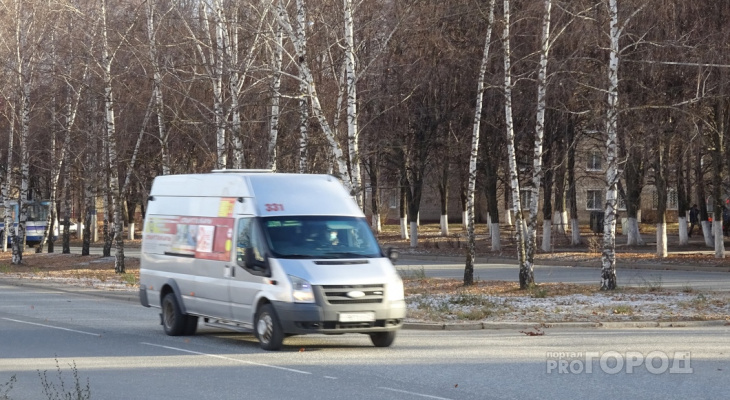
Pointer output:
395, 290
301, 290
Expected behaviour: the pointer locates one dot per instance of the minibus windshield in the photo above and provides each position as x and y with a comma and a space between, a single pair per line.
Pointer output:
320, 237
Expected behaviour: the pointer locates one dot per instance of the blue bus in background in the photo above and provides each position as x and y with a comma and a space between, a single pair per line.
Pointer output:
35, 226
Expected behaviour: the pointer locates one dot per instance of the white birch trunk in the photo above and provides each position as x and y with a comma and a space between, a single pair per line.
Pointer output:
465, 219
301, 37
19, 244
526, 274
444, 224
683, 231
404, 228
277, 59
661, 240
719, 239
111, 141
8, 231
471, 188
508, 216
575, 238
537, 171
217, 78
230, 30
157, 86
608, 255
353, 133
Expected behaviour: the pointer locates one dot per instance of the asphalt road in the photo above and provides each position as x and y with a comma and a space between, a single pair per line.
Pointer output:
119, 347
656, 278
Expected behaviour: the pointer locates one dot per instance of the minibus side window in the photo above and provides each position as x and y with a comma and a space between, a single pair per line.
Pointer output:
249, 239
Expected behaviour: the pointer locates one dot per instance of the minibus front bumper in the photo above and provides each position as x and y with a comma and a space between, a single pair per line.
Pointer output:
298, 318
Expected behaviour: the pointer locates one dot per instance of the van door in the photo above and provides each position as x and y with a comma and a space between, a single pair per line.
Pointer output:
246, 282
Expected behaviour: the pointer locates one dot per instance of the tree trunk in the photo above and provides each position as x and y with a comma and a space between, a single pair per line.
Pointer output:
471, 188
526, 275
116, 208
608, 255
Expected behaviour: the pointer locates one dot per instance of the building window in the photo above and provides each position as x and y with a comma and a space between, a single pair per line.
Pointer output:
595, 160
672, 201
594, 199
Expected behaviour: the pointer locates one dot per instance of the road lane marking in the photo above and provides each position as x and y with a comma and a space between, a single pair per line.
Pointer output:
413, 393
51, 326
330, 377
227, 358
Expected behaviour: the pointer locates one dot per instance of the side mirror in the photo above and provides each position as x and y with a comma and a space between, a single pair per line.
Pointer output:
250, 262
393, 255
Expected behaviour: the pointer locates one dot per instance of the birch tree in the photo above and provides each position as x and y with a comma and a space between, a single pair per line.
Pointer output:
111, 142
526, 275
350, 176
608, 255
159, 100
277, 54
537, 169
9, 231
471, 237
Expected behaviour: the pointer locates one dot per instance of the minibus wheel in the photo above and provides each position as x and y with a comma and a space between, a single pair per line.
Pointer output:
174, 322
382, 339
268, 329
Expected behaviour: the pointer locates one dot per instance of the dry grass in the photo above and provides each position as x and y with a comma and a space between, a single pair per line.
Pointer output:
71, 268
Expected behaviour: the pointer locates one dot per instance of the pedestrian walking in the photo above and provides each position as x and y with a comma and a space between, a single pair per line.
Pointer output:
694, 215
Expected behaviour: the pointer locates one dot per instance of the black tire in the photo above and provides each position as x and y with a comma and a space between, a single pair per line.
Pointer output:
191, 326
173, 320
382, 339
268, 329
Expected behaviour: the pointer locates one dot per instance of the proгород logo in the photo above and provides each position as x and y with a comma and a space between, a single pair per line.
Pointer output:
613, 362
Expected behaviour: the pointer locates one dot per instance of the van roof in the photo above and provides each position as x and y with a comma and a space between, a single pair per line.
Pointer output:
273, 193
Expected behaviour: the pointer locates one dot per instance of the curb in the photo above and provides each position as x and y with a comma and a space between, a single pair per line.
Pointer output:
424, 326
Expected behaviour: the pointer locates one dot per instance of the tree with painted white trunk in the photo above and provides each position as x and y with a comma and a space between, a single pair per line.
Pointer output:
718, 128
661, 150
634, 172
471, 189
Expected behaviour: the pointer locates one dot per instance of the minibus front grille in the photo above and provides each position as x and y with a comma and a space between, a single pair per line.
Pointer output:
353, 294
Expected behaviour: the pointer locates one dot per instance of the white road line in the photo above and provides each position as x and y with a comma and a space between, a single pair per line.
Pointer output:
330, 377
228, 358
51, 326
413, 393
